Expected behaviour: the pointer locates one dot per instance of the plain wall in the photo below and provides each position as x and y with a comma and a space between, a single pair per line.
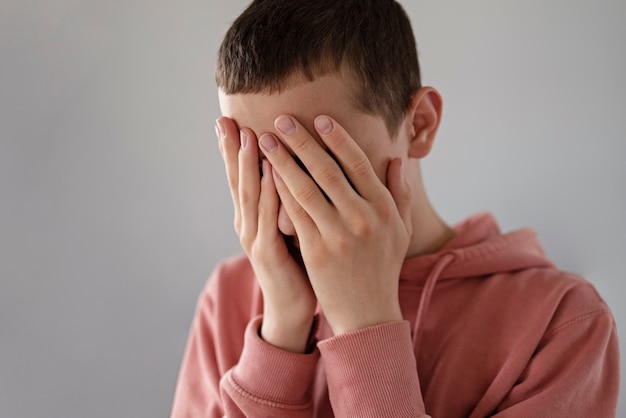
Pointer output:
113, 201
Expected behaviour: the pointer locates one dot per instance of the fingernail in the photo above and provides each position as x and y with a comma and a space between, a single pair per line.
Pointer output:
268, 143
323, 125
243, 138
264, 166
218, 129
286, 125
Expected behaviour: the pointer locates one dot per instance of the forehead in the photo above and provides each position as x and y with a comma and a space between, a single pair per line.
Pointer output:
301, 98
306, 100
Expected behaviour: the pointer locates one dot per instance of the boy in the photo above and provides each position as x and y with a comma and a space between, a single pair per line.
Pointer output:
355, 298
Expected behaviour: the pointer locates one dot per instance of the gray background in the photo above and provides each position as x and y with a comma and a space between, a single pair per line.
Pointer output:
113, 201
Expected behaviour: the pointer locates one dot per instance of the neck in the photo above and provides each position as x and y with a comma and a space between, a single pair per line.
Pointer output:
430, 232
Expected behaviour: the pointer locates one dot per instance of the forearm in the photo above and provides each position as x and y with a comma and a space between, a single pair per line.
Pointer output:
268, 381
287, 330
372, 372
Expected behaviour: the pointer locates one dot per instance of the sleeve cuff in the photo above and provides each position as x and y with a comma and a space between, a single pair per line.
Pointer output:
373, 369
269, 373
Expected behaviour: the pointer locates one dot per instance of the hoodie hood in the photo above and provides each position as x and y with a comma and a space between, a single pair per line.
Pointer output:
478, 249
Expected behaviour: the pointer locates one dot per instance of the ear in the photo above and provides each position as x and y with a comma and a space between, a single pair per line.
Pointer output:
424, 116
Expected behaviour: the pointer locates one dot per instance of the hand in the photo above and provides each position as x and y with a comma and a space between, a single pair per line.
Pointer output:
354, 239
289, 302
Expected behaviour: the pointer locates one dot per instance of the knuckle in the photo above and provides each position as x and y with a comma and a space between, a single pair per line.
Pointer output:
246, 197
246, 240
279, 160
301, 145
298, 212
362, 226
256, 252
331, 175
404, 196
361, 167
233, 182
267, 213
263, 212
386, 211
364, 230
343, 243
336, 140
306, 194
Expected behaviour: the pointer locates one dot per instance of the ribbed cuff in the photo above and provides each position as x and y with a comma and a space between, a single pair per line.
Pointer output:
373, 370
272, 374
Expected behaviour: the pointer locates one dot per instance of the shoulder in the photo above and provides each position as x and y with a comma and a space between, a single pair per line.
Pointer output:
226, 305
577, 300
554, 297
236, 268
551, 285
537, 299
232, 290
231, 273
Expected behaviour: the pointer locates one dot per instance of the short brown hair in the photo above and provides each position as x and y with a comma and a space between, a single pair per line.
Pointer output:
370, 41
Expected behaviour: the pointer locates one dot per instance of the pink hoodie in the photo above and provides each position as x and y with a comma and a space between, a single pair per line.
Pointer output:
491, 328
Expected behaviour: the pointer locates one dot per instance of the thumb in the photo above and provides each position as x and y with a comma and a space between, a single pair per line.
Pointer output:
400, 190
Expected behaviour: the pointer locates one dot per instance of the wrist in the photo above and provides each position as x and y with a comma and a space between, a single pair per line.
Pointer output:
356, 321
287, 333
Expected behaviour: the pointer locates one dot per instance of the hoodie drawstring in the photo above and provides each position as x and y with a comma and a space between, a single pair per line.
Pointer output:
427, 293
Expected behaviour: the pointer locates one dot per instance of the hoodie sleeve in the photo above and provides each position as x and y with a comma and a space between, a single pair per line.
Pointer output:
267, 381
372, 373
574, 372
229, 371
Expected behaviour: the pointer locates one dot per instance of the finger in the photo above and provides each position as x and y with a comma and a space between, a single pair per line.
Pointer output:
301, 187
249, 185
352, 159
322, 167
303, 223
400, 190
229, 146
218, 134
268, 205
